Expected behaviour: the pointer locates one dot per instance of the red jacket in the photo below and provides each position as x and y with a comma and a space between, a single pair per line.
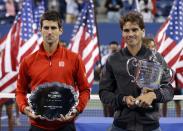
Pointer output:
63, 66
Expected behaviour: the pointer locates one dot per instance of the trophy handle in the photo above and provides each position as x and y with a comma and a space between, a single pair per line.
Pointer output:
172, 76
135, 64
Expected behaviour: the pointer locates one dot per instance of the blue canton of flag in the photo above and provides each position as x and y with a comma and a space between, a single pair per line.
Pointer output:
27, 21
175, 28
86, 18
38, 11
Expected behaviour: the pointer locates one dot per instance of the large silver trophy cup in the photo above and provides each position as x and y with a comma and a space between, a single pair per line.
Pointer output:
147, 74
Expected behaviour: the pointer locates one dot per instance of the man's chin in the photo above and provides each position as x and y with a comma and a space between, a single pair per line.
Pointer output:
133, 45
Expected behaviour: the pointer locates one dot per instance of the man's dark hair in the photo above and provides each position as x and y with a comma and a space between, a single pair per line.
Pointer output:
53, 16
134, 17
147, 40
113, 43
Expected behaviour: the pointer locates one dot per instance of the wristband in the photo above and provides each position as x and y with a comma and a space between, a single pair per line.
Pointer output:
124, 99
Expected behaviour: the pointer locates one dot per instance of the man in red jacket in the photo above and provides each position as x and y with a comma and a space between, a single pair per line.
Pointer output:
51, 63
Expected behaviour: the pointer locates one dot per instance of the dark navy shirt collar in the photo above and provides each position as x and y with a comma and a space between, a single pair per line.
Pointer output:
141, 52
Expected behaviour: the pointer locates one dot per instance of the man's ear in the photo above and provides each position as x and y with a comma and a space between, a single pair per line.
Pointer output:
40, 29
144, 33
61, 30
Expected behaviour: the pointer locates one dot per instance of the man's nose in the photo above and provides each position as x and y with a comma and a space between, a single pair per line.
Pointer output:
49, 32
131, 32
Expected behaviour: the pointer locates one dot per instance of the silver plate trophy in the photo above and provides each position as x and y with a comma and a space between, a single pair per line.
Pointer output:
147, 74
50, 100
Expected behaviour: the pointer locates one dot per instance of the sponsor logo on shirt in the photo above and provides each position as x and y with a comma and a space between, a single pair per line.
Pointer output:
61, 64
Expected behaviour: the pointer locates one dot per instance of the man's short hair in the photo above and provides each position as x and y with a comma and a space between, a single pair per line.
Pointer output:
134, 17
113, 43
53, 16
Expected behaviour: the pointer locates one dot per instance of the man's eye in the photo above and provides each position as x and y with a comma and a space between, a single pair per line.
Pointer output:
135, 30
126, 30
46, 28
53, 28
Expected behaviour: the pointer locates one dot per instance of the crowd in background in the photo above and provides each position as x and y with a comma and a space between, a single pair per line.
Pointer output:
106, 10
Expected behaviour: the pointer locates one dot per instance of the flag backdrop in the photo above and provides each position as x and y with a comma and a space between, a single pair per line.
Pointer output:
84, 40
169, 40
21, 41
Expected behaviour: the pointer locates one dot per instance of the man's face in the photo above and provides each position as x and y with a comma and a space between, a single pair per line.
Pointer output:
152, 45
50, 32
113, 48
132, 34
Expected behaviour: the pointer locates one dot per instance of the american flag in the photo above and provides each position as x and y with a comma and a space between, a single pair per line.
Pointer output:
21, 40
84, 40
169, 39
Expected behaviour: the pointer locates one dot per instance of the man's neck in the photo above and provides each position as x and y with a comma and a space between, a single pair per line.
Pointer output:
50, 48
134, 49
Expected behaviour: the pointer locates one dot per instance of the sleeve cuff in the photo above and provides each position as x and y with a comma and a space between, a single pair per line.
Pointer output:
22, 109
120, 100
79, 110
158, 95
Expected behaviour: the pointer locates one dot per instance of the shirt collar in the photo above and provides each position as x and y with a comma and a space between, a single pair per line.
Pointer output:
42, 50
140, 53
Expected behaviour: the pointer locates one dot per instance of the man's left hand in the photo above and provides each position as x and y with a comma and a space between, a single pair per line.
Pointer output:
146, 99
69, 117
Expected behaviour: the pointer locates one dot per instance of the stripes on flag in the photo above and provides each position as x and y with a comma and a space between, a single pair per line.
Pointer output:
169, 39
84, 39
180, 63
21, 41
179, 69
10, 50
180, 79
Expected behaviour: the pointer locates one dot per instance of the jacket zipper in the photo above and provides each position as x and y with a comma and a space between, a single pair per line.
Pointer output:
50, 63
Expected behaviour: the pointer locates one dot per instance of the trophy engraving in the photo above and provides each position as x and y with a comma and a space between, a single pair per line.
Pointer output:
50, 100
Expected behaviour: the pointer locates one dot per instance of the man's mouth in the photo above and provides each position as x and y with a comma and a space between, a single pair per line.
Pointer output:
49, 37
50, 43
130, 38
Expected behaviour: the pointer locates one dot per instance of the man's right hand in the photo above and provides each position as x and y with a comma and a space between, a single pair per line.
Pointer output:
130, 101
29, 112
